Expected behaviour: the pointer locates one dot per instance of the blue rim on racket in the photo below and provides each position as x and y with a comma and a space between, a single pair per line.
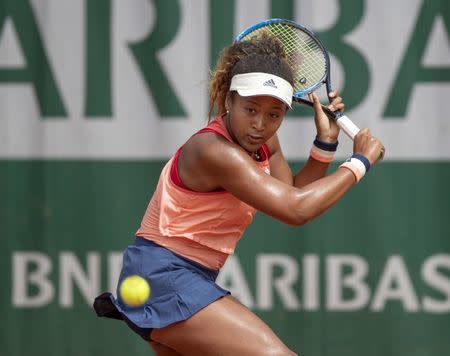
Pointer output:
308, 59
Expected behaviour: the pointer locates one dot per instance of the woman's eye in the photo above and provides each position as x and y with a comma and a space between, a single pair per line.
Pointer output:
274, 116
250, 110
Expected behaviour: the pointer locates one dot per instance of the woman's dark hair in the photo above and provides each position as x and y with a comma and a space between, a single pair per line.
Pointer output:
260, 54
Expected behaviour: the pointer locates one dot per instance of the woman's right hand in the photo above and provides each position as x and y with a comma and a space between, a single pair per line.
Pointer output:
368, 146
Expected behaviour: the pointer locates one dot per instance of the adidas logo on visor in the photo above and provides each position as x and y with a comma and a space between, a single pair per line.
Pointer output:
270, 83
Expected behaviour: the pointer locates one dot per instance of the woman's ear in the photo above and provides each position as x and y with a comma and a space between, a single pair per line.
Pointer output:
228, 102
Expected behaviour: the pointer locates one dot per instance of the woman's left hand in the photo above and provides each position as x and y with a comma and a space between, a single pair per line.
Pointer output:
327, 129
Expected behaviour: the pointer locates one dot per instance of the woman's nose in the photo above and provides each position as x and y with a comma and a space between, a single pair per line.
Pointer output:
258, 122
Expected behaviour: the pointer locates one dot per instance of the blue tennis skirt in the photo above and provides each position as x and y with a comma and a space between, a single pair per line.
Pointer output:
179, 288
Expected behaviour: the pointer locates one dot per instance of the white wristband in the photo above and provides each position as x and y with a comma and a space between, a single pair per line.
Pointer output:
356, 166
321, 155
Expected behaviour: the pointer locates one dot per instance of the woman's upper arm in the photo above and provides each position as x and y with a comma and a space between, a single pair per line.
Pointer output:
234, 170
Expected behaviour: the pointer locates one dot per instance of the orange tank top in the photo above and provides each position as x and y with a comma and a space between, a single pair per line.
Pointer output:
201, 226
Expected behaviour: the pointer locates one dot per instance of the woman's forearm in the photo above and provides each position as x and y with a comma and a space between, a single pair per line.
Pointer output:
321, 194
310, 172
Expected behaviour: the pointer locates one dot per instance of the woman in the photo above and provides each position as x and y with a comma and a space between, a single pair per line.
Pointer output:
208, 193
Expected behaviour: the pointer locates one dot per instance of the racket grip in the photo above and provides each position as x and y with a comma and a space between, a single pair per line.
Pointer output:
347, 126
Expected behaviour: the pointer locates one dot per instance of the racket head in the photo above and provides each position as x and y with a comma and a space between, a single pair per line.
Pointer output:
305, 53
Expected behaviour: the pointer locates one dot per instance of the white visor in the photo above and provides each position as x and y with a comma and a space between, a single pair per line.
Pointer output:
254, 84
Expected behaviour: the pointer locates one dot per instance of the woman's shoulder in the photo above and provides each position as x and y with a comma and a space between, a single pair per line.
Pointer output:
209, 145
207, 159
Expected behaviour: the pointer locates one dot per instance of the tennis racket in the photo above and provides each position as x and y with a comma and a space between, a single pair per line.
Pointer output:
309, 61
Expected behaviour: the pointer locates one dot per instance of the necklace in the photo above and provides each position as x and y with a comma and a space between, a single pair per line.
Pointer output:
256, 156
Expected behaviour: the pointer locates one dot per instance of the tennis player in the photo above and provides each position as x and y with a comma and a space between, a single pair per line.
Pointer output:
207, 195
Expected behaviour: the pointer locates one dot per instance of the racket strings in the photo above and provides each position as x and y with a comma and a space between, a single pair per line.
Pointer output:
304, 55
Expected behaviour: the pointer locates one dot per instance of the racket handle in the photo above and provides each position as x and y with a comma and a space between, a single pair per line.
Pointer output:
343, 121
347, 126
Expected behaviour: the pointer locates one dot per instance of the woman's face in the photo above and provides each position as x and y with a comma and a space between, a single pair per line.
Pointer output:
252, 120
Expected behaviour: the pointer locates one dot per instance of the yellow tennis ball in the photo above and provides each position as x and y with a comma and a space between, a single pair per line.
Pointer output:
134, 290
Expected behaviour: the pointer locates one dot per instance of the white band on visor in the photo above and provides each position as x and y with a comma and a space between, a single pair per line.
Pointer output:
253, 84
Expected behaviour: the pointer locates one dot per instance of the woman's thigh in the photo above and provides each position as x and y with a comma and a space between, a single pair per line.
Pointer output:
161, 350
225, 327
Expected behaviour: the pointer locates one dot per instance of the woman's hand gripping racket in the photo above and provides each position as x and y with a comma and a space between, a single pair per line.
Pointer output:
309, 61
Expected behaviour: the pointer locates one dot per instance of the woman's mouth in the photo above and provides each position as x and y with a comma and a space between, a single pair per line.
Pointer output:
255, 139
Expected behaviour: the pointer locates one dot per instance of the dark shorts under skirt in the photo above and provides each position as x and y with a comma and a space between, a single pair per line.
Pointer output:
179, 288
